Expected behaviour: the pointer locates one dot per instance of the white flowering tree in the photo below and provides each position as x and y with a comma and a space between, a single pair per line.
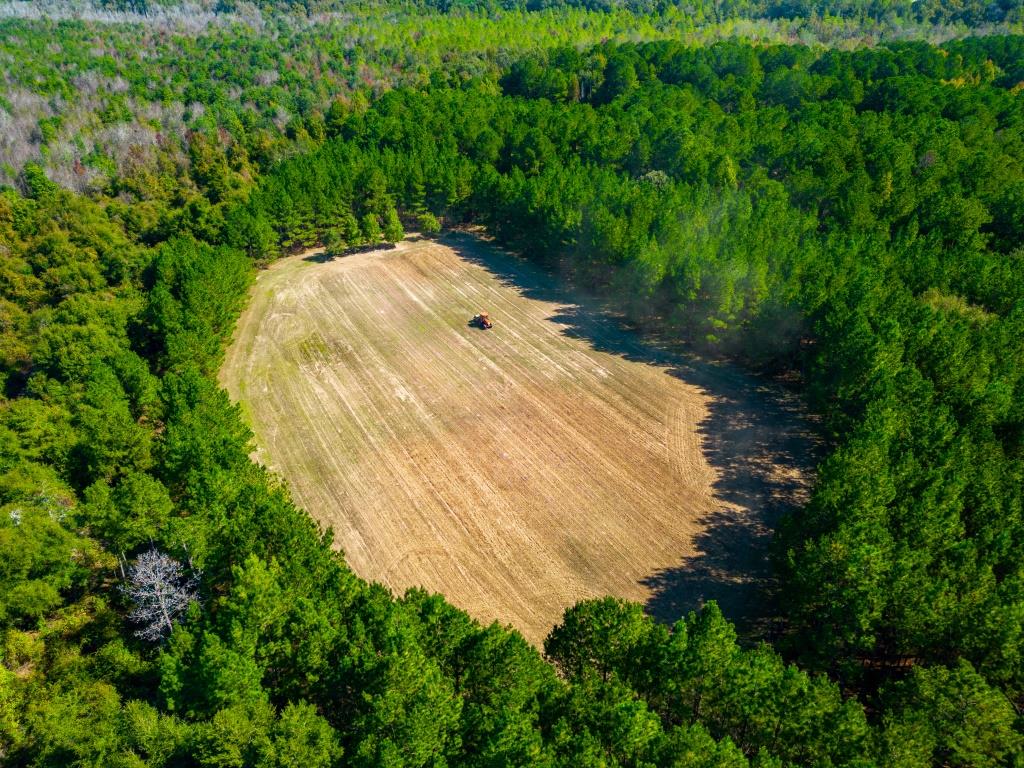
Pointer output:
161, 590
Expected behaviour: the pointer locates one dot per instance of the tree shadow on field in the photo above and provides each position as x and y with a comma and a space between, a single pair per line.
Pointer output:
763, 450
755, 435
323, 257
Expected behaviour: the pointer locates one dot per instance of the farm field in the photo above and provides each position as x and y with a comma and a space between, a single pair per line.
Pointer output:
517, 470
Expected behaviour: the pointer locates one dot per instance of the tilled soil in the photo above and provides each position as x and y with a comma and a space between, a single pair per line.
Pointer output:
516, 470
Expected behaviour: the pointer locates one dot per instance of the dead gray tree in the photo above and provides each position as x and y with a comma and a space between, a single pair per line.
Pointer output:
161, 590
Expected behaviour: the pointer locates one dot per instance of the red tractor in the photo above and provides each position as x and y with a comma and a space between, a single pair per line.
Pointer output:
481, 321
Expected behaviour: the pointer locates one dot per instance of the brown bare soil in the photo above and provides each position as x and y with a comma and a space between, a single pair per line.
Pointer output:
517, 470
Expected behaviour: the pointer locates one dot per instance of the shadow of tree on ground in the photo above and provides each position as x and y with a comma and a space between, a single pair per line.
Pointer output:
755, 435
324, 256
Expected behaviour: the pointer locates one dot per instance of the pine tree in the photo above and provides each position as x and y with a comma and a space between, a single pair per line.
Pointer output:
393, 231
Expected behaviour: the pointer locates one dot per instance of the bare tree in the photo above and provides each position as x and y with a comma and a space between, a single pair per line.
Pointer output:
161, 590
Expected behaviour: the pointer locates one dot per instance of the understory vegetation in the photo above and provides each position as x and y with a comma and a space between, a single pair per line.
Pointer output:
852, 220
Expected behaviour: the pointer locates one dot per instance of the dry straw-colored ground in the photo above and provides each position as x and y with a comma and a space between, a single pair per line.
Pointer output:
516, 470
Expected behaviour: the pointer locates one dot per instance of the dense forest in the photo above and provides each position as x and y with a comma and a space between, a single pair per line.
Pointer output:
130, 102
930, 11
849, 220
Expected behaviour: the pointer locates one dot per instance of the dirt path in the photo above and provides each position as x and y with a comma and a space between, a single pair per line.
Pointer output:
516, 470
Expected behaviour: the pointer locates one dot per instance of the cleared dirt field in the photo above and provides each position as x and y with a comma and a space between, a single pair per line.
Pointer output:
517, 470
